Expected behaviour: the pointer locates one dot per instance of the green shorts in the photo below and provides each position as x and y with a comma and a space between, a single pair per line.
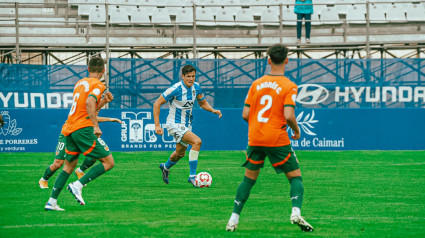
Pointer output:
283, 158
60, 148
83, 141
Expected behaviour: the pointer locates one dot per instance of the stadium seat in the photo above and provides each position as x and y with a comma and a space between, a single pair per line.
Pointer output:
289, 18
377, 13
97, 15
224, 17
233, 6
161, 16
139, 16
204, 16
329, 15
172, 6
315, 20
214, 5
244, 17
258, 6
396, 14
270, 17
84, 9
184, 16
148, 5
416, 12
355, 15
119, 16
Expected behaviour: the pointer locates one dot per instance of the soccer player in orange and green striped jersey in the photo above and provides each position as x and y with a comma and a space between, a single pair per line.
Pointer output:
82, 135
269, 108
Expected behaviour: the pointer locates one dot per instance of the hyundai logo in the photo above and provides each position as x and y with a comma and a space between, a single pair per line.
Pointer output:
312, 94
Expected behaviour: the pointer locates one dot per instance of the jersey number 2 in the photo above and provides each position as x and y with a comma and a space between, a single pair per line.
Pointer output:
263, 100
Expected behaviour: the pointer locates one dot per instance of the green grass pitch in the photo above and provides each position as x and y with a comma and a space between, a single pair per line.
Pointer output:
354, 193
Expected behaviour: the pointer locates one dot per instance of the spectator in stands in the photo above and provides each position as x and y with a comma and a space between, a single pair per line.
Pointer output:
303, 9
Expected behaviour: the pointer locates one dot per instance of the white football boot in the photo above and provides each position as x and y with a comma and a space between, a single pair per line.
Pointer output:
303, 224
231, 226
54, 207
77, 192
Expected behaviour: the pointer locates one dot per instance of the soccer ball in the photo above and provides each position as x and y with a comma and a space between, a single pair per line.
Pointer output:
203, 180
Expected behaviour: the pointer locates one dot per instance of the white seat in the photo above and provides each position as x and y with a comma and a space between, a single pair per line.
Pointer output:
244, 17
315, 20
329, 15
204, 17
97, 15
184, 16
119, 16
161, 16
148, 5
416, 12
289, 18
214, 5
84, 9
396, 14
355, 15
270, 17
224, 17
233, 6
139, 16
377, 13
258, 6
173, 6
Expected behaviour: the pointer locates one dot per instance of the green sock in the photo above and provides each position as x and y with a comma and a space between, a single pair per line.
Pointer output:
95, 172
48, 173
59, 183
87, 164
297, 191
242, 194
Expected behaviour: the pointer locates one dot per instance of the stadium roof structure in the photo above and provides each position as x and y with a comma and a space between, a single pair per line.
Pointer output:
42, 31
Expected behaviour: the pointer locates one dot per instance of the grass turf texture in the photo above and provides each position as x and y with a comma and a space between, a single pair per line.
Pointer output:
355, 193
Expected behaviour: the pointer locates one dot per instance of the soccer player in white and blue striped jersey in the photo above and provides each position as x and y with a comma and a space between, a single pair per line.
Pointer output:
181, 97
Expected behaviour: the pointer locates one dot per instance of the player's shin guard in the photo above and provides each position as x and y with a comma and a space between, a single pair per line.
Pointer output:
95, 172
48, 173
87, 164
242, 194
297, 191
59, 183
193, 162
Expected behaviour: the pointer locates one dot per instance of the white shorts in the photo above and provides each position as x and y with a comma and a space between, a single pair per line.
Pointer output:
178, 131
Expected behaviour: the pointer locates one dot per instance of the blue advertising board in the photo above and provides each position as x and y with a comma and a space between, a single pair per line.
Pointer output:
37, 130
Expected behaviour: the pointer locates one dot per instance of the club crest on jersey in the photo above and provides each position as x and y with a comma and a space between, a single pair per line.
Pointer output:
193, 93
96, 91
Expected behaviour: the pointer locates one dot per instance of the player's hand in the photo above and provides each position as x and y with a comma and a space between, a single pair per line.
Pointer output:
218, 112
109, 97
116, 120
296, 135
97, 131
159, 130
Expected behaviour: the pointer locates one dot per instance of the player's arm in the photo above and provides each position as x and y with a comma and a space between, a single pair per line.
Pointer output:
245, 113
106, 99
206, 106
91, 105
156, 109
291, 120
105, 119
1, 120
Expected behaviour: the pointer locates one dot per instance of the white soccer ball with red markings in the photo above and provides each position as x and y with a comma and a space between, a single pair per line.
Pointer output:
203, 180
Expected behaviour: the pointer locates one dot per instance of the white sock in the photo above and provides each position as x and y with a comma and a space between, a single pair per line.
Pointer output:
42, 179
235, 218
78, 184
53, 201
79, 170
296, 210
193, 155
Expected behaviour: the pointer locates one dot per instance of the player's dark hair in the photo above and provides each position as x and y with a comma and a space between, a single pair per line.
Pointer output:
187, 69
96, 65
277, 53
